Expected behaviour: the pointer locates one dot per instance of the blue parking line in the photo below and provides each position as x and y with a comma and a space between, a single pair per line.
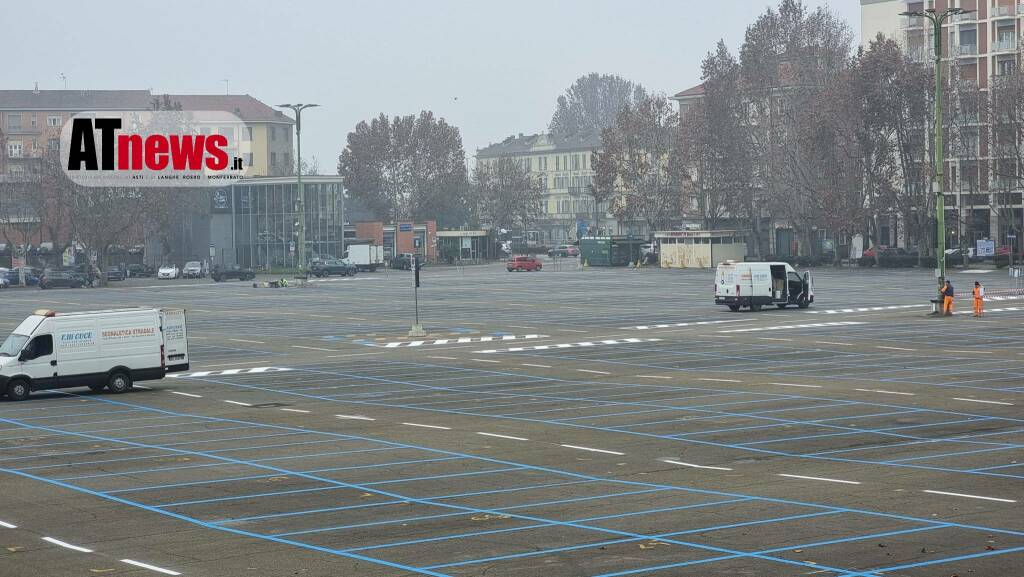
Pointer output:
923, 457
901, 428
875, 572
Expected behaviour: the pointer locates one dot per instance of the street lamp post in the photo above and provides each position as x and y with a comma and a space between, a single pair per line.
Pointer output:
301, 241
938, 19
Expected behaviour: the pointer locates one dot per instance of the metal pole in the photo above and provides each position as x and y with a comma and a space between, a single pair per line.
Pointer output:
940, 199
301, 252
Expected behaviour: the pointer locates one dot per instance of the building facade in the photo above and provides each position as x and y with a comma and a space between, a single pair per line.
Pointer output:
983, 197
563, 167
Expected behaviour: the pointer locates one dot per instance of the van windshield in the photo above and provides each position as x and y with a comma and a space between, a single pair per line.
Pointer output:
13, 345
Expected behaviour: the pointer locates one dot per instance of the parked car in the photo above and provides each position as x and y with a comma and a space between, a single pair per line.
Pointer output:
139, 271
4, 283
168, 271
404, 261
193, 269
115, 274
322, 268
61, 278
13, 277
564, 251
232, 272
523, 264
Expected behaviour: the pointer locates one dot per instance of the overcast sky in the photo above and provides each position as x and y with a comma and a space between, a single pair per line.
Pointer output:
490, 68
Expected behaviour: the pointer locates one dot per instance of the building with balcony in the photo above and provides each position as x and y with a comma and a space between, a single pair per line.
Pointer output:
983, 193
563, 167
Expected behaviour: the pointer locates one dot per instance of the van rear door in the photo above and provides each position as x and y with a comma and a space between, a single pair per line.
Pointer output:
175, 345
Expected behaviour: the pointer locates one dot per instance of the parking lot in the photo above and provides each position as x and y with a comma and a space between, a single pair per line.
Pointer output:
594, 422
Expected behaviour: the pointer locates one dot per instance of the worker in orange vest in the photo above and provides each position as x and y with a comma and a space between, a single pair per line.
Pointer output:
979, 299
947, 299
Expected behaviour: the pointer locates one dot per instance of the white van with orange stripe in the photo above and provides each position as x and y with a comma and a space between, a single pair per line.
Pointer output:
109, 349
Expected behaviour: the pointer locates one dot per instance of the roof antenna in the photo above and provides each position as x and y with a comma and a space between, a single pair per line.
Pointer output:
64, 78
226, 82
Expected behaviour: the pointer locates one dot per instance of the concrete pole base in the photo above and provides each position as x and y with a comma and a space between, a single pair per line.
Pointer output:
417, 331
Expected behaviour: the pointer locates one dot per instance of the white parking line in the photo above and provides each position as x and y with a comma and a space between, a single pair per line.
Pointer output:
295, 410
444, 358
970, 496
796, 385
238, 403
355, 417
652, 377
895, 348
592, 450
538, 366
313, 348
981, 401
682, 464
503, 436
485, 361
150, 567
594, 372
245, 341
60, 543
7, 525
820, 479
186, 394
833, 343
428, 426
884, 392
719, 380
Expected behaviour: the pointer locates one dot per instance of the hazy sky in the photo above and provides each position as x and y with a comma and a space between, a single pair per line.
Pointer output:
490, 68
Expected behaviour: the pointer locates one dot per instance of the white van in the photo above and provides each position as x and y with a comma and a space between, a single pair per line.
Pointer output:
758, 284
94, 349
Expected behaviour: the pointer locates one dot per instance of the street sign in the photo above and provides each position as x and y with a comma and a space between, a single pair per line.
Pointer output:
986, 248
213, 251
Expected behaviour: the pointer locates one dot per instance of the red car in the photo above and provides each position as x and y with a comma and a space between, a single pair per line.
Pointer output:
522, 263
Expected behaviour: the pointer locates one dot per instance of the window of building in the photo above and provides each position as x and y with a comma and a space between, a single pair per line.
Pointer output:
287, 133
53, 144
248, 134
273, 159
33, 122
53, 120
273, 133
14, 122
287, 159
14, 149
528, 163
229, 132
248, 158
558, 163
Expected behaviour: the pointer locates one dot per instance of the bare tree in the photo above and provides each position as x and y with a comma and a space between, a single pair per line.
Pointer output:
507, 196
635, 163
592, 103
1006, 113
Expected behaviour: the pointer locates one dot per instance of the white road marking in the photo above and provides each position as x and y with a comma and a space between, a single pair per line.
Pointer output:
820, 479
186, 394
230, 372
6, 525
682, 464
592, 450
786, 327
444, 358
503, 436
833, 343
674, 325
796, 385
594, 372
355, 417
651, 377
295, 410
719, 380
895, 348
60, 543
570, 345
150, 567
773, 339
538, 366
485, 361
428, 426
238, 403
970, 496
245, 341
981, 401
884, 392
866, 309
462, 340
314, 348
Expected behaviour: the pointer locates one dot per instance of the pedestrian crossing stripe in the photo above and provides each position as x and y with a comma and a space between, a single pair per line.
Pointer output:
570, 345
457, 341
230, 372
674, 325
866, 309
784, 327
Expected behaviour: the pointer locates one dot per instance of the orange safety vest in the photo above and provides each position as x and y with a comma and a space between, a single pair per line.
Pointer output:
978, 293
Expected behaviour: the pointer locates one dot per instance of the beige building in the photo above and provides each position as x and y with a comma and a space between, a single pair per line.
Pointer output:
31, 121
563, 166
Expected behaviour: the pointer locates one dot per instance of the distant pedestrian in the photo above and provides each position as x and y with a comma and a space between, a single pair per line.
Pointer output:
979, 299
947, 299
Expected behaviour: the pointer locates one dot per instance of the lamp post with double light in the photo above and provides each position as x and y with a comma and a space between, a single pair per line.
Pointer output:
301, 208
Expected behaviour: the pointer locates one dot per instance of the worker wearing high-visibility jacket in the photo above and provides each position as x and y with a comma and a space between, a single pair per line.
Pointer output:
947, 299
979, 299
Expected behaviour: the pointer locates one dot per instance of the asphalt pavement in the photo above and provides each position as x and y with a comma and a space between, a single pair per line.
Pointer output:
594, 422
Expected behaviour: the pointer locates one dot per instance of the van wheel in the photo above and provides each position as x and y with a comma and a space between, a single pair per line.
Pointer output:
18, 390
734, 308
96, 388
755, 308
119, 382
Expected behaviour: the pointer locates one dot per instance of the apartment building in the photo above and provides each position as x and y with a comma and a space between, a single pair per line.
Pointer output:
983, 199
563, 167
